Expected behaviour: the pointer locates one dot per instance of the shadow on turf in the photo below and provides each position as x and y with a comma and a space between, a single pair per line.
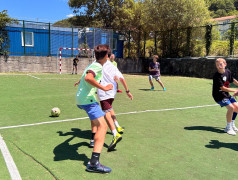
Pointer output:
206, 128
215, 144
66, 151
149, 90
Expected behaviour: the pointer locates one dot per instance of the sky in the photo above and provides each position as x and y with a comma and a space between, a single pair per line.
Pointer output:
34, 10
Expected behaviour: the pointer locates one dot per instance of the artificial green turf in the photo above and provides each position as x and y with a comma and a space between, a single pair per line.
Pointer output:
176, 144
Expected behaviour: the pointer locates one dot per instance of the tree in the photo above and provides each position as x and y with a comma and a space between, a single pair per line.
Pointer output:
63, 23
131, 18
221, 8
115, 14
119, 15
236, 4
166, 14
4, 39
171, 19
78, 20
126, 17
101, 10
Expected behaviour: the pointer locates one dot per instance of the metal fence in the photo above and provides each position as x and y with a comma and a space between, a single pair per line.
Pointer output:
210, 40
45, 39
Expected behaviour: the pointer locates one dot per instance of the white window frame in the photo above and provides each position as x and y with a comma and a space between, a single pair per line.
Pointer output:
22, 39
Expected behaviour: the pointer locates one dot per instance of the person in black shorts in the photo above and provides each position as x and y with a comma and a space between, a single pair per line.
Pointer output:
220, 92
75, 64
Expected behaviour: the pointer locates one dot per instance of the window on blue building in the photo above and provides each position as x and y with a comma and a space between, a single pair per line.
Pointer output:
104, 38
29, 38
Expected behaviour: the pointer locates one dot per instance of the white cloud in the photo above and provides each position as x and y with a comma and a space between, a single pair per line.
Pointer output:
69, 15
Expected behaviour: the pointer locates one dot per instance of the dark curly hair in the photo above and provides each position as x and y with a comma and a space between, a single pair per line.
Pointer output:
101, 51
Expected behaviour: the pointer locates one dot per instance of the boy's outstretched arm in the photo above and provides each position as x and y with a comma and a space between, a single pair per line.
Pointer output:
77, 83
235, 82
226, 89
125, 86
89, 78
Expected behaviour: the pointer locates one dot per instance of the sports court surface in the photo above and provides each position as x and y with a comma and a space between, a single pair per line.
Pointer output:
176, 134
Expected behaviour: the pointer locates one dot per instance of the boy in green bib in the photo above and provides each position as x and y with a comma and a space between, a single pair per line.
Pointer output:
86, 100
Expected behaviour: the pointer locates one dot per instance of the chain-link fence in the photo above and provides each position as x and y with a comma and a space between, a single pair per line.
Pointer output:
210, 40
44, 39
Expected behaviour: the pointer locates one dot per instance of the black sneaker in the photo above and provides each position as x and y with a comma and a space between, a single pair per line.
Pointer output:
98, 168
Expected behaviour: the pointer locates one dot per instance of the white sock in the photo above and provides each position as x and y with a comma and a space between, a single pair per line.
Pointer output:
116, 124
228, 125
233, 122
114, 132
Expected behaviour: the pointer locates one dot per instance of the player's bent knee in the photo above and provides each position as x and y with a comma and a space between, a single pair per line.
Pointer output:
235, 109
235, 105
230, 107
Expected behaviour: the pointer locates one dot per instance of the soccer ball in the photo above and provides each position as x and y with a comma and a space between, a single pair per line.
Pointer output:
55, 112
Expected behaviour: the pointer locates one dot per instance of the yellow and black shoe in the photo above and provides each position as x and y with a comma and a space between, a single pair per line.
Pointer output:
120, 129
114, 142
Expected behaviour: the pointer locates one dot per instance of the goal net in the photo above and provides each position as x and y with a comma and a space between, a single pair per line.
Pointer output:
73, 52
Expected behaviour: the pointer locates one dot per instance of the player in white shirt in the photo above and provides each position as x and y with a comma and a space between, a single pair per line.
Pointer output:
110, 72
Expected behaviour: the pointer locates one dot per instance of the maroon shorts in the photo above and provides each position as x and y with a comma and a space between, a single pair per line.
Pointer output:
106, 105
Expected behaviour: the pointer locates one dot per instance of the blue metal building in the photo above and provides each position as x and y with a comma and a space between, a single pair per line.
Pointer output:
43, 39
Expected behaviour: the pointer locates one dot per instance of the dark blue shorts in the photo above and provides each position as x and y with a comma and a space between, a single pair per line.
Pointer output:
94, 111
226, 101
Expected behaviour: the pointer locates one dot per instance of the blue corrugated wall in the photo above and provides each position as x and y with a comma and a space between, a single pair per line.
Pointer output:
41, 42
65, 37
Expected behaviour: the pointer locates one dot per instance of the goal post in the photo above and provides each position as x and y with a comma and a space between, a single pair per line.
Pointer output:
89, 52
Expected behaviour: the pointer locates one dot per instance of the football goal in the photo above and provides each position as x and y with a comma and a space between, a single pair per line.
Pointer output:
87, 53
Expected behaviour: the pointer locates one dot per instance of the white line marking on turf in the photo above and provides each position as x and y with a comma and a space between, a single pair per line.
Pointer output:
47, 122
171, 109
12, 168
134, 112
2, 74
33, 76
61, 78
